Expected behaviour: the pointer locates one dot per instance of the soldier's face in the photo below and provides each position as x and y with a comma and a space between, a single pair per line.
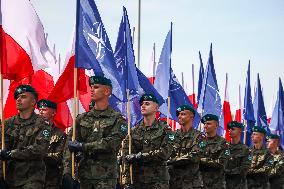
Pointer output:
185, 117
210, 126
148, 108
99, 92
48, 113
273, 144
257, 137
234, 131
25, 101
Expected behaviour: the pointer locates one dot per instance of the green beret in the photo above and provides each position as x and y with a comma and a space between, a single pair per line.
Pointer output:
99, 80
46, 103
235, 124
23, 89
148, 97
209, 117
273, 136
258, 129
185, 107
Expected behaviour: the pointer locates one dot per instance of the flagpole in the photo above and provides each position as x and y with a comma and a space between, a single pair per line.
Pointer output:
154, 61
129, 134
182, 80
2, 122
245, 132
74, 120
139, 32
133, 35
193, 90
168, 114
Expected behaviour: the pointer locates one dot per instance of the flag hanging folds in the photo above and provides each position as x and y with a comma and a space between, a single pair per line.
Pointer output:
258, 106
248, 112
210, 101
93, 48
227, 110
167, 84
238, 114
23, 44
271, 107
200, 78
277, 120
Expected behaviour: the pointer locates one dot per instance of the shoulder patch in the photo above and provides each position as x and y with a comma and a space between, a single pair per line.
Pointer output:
46, 133
124, 129
171, 136
250, 158
202, 144
271, 161
227, 152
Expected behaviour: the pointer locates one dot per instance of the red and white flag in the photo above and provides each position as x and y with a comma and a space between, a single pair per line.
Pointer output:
238, 114
226, 111
23, 45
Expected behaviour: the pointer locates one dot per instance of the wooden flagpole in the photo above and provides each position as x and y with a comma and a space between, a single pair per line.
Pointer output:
129, 134
139, 33
2, 123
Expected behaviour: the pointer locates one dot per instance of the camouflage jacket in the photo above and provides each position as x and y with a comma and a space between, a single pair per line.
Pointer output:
215, 154
276, 173
154, 142
239, 161
102, 132
28, 141
261, 162
54, 157
186, 150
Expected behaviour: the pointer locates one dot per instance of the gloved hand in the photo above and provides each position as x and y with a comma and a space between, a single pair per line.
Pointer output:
128, 186
68, 182
75, 146
5, 155
132, 157
3, 184
79, 156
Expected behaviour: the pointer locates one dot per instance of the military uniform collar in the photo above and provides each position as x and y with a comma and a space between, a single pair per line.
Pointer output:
212, 138
28, 121
154, 125
101, 113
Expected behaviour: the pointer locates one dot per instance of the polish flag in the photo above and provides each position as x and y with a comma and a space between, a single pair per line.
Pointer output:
153, 66
22, 40
238, 115
226, 111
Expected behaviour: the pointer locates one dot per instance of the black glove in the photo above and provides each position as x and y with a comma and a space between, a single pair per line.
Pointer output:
132, 157
128, 186
3, 184
5, 155
75, 146
79, 156
68, 182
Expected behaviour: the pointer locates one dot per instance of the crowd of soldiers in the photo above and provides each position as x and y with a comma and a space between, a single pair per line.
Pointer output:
101, 153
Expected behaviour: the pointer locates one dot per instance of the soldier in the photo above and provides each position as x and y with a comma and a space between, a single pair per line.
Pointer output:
151, 149
239, 161
27, 137
54, 156
276, 175
262, 160
99, 133
215, 154
184, 164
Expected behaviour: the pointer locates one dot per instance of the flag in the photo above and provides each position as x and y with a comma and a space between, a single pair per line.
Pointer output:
210, 101
125, 62
23, 44
277, 120
153, 65
167, 84
258, 106
93, 48
238, 114
227, 110
271, 107
200, 78
248, 112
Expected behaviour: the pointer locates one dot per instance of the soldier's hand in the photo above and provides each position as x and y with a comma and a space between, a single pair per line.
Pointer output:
5, 155
128, 186
75, 146
132, 157
68, 182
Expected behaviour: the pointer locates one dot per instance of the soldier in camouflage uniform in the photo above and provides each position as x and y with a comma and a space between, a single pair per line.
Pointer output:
151, 148
262, 161
240, 159
184, 163
54, 156
27, 137
276, 174
214, 156
99, 133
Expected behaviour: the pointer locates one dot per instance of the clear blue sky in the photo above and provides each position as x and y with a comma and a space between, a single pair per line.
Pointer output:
239, 30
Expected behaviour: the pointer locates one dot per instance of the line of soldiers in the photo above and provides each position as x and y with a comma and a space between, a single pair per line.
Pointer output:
37, 155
